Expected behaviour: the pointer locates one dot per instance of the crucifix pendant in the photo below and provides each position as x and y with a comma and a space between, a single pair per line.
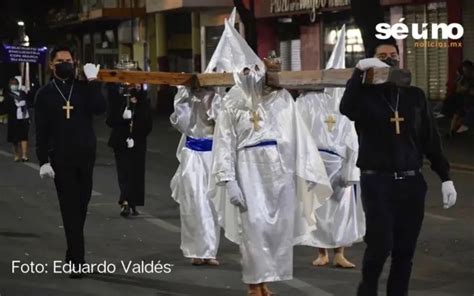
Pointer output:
397, 121
255, 119
68, 109
330, 121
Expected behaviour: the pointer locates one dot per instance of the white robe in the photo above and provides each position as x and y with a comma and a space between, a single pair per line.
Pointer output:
200, 232
341, 220
273, 179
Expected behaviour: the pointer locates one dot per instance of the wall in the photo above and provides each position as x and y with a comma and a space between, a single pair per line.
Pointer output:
311, 46
266, 36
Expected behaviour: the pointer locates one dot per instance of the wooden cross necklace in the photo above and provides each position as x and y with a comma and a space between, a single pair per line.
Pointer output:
396, 119
255, 118
68, 106
330, 121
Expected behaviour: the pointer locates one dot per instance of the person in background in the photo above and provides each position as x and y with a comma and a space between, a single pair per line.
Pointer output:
3, 117
459, 105
15, 106
467, 113
129, 116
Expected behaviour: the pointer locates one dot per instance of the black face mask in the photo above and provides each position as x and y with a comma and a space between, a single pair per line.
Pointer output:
135, 92
64, 70
391, 62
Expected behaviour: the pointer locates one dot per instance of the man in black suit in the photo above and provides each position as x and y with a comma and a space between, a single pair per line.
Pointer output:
66, 143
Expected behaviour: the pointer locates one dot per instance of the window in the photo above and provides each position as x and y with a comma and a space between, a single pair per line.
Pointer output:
354, 44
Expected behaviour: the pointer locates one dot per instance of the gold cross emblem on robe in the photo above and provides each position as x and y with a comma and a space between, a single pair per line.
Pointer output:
255, 119
330, 121
68, 109
397, 121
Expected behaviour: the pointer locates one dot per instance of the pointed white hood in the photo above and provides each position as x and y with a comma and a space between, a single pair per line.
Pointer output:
232, 16
338, 55
337, 61
233, 54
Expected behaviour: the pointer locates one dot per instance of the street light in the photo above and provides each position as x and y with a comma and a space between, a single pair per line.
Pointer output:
20, 23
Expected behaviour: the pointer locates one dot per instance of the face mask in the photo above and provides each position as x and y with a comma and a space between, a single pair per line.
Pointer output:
134, 92
64, 70
14, 87
391, 62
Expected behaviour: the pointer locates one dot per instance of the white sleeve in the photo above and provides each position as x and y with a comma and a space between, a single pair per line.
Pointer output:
350, 171
224, 148
181, 117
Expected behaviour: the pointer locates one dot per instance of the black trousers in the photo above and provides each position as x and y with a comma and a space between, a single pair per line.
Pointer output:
131, 174
74, 188
394, 211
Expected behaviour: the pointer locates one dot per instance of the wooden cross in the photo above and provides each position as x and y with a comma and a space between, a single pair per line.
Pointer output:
397, 121
255, 119
310, 80
68, 109
330, 121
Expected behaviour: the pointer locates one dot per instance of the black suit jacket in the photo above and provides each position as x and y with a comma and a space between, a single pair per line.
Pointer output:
142, 119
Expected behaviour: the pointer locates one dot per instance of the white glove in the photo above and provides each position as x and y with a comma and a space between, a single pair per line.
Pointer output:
365, 64
91, 71
236, 196
21, 103
341, 181
23, 88
46, 171
449, 194
127, 114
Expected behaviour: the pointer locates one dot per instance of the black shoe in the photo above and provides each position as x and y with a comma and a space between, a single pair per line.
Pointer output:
26, 159
135, 212
76, 271
125, 212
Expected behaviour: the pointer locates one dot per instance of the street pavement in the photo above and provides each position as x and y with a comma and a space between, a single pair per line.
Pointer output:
31, 231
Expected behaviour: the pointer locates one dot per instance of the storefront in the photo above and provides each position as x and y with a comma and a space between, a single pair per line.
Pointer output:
305, 32
186, 32
211, 29
428, 65
304, 36
181, 36
101, 31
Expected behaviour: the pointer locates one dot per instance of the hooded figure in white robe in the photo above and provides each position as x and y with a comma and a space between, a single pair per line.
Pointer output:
194, 114
340, 221
264, 157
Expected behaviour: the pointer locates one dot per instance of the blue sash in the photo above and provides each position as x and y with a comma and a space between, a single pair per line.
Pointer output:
264, 143
199, 144
330, 152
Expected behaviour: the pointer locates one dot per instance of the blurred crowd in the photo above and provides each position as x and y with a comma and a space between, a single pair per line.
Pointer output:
459, 106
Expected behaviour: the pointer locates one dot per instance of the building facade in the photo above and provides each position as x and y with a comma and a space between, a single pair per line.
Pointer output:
181, 35
303, 36
160, 35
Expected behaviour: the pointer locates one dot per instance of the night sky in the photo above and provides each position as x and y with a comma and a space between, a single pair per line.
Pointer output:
32, 12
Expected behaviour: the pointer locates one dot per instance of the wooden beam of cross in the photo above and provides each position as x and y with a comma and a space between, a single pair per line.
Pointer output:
163, 78
305, 80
